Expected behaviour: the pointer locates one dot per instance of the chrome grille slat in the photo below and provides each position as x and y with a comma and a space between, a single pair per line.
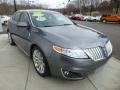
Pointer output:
99, 52
98, 55
95, 53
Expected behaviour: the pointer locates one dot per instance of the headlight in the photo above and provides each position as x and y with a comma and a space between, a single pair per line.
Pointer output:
108, 47
69, 52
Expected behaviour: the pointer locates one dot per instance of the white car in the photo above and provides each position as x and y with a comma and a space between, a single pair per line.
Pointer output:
98, 18
4, 19
92, 18
87, 18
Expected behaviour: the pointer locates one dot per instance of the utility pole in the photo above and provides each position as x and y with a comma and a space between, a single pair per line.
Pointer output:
91, 7
15, 8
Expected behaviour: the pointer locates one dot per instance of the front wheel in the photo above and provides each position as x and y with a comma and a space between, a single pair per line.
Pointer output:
11, 42
40, 63
104, 21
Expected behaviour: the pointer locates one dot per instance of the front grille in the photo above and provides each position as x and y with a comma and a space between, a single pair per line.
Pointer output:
96, 53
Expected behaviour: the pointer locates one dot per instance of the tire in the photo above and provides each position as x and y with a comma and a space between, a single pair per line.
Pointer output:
11, 42
40, 63
104, 21
5, 22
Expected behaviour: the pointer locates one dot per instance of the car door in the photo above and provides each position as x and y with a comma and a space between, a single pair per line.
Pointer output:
12, 25
24, 33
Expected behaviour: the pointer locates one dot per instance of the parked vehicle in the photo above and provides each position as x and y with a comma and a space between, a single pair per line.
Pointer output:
69, 16
76, 17
110, 18
57, 46
88, 18
85, 18
97, 18
4, 19
91, 18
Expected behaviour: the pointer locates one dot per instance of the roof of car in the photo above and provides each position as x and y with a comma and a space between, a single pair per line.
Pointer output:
31, 10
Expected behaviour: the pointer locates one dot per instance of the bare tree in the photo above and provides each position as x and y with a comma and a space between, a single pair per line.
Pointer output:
117, 2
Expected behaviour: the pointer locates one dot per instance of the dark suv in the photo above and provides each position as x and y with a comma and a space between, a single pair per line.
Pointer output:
57, 45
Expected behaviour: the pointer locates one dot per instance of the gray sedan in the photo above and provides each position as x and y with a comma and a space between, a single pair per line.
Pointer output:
56, 45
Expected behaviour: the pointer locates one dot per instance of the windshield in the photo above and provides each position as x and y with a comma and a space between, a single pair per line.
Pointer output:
48, 19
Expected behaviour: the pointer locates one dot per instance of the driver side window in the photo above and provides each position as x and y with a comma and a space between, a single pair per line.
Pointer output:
24, 18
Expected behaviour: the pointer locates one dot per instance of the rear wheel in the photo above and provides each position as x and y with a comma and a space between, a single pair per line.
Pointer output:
11, 42
40, 63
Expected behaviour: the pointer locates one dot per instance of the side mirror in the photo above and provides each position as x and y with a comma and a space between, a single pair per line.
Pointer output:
22, 24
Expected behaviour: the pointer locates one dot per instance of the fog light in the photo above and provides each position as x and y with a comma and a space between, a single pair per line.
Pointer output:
71, 75
66, 73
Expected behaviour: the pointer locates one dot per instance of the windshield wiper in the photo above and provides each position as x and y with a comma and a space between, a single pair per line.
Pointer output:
57, 25
67, 24
63, 24
47, 26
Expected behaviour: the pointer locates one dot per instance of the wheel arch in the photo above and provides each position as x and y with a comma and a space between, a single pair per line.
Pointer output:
31, 48
35, 45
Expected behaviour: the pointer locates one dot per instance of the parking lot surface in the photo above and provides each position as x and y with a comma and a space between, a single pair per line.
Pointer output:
17, 73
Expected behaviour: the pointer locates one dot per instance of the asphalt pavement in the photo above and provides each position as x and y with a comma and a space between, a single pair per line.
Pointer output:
17, 73
112, 30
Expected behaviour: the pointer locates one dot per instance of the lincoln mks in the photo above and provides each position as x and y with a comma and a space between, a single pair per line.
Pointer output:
58, 46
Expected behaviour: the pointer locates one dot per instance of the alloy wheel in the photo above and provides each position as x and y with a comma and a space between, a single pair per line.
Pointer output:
38, 60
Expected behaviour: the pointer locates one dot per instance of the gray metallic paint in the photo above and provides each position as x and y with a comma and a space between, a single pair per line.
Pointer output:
71, 36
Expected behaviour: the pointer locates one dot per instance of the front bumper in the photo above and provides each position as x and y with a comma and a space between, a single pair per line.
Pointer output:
70, 68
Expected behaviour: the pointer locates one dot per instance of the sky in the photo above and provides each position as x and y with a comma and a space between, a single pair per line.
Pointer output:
49, 3
54, 3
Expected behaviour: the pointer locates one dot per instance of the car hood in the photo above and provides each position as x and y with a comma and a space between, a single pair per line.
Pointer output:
72, 36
